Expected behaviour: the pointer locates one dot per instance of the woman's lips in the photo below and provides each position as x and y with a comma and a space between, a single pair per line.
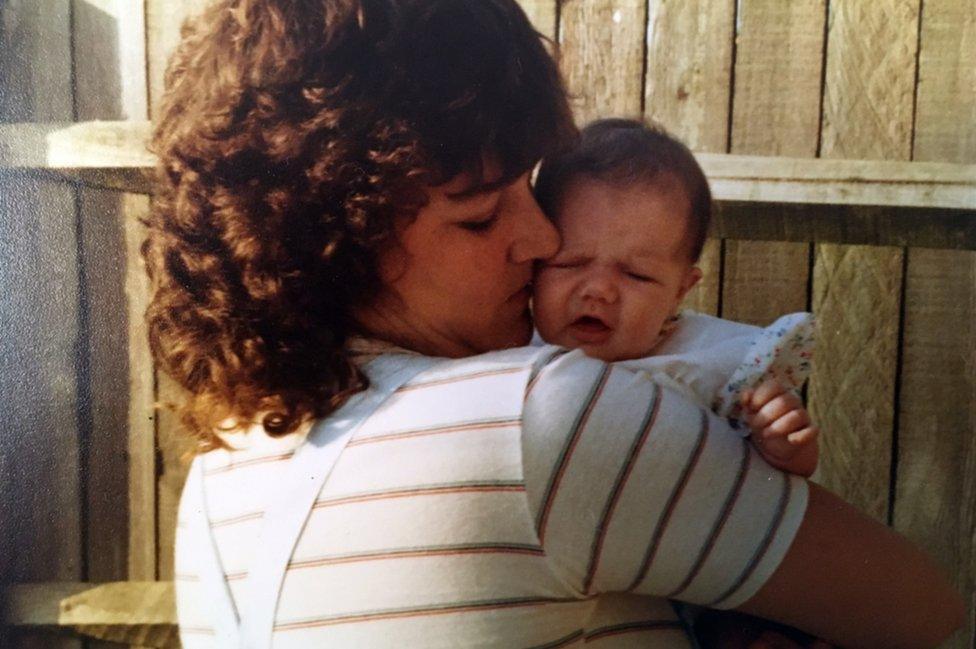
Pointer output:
590, 330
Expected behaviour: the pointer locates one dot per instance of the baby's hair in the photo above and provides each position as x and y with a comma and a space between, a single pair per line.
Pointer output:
626, 152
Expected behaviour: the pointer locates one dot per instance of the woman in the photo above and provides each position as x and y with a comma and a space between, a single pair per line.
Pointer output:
342, 241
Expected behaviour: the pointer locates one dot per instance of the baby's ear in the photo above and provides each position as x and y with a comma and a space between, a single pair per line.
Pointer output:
692, 276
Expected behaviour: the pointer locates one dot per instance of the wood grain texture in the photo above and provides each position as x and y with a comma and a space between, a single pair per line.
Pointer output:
602, 44
41, 514
856, 297
686, 90
854, 224
142, 613
163, 22
777, 77
97, 148
689, 68
777, 90
109, 41
764, 280
780, 179
867, 114
945, 117
141, 420
936, 475
870, 79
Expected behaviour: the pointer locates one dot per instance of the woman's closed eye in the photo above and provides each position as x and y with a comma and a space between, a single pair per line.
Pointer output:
479, 225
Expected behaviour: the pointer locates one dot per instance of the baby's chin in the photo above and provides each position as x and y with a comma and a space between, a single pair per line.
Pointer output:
607, 353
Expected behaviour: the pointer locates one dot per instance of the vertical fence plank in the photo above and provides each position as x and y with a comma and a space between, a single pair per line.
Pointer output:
602, 43
945, 120
936, 473
109, 41
868, 99
775, 112
763, 280
41, 516
689, 67
164, 19
857, 293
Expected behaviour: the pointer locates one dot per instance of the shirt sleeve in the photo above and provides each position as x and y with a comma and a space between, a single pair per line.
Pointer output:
782, 351
633, 488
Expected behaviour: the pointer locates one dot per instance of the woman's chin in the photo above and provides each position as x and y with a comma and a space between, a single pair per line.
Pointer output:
516, 334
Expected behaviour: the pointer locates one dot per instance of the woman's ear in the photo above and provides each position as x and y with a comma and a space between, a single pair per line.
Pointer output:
692, 277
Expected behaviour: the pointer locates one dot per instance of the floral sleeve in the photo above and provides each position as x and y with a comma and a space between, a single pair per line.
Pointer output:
781, 351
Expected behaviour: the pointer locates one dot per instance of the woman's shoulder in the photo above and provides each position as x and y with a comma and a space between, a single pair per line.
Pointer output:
502, 362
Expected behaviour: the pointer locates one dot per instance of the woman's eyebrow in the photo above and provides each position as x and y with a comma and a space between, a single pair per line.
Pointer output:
478, 190
481, 201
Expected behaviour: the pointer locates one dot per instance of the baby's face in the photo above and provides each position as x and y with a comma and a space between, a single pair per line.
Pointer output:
620, 272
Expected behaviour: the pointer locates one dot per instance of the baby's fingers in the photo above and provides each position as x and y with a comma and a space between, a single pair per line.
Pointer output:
777, 408
791, 421
805, 436
764, 393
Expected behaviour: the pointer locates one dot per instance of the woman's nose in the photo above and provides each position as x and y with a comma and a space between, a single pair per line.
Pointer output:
536, 236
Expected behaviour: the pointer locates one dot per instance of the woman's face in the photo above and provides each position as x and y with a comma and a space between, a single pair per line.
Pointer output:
460, 282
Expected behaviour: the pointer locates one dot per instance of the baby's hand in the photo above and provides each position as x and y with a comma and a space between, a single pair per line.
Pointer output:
781, 428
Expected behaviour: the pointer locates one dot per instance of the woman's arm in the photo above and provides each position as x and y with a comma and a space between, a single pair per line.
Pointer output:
855, 582
635, 489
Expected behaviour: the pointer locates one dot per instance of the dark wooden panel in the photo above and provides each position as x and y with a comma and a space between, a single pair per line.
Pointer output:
935, 489
41, 510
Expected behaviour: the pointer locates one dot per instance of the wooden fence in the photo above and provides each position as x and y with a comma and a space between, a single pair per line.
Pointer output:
778, 96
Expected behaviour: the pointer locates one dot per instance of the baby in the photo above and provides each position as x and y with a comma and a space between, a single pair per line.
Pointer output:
632, 207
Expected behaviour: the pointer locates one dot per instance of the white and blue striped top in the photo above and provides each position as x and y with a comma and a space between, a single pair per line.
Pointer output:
526, 498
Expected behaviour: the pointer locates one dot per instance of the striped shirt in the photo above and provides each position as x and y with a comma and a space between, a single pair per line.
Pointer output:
523, 498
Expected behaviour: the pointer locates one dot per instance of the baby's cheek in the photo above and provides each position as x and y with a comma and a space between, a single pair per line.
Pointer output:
546, 312
641, 335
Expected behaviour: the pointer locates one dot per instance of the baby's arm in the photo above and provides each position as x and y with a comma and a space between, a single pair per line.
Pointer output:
781, 428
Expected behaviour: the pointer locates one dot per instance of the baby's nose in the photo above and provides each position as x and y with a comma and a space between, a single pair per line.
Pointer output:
599, 286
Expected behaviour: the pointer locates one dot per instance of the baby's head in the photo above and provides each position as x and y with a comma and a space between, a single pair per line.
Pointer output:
632, 207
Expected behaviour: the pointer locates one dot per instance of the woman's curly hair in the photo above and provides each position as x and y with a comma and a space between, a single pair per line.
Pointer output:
290, 136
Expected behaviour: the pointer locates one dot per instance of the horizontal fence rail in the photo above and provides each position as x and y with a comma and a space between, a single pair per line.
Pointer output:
771, 198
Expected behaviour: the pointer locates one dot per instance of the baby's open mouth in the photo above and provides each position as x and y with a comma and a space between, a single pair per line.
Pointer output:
590, 329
